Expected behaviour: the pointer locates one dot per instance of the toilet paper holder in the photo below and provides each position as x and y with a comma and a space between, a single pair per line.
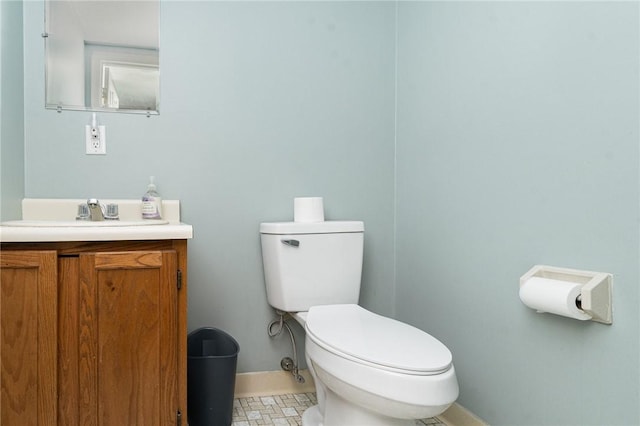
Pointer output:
595, 293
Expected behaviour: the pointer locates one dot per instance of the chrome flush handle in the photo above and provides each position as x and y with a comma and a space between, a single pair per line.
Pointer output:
291, 243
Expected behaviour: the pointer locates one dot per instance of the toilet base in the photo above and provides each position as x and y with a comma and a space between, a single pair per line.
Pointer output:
339, 412
312, 417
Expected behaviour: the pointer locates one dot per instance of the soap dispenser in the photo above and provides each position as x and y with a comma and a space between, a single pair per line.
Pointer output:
151, 202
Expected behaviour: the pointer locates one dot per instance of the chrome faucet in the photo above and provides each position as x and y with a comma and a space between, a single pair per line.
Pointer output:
93, 210
96, 213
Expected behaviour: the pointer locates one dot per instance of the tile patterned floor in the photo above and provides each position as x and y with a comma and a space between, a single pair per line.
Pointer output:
282, 410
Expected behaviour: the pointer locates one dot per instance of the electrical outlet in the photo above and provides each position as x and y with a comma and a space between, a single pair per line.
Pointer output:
96, 140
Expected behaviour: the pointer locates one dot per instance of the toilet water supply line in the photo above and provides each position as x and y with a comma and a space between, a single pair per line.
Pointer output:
286, 363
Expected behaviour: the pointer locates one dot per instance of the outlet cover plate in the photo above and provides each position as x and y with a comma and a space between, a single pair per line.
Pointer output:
96, 146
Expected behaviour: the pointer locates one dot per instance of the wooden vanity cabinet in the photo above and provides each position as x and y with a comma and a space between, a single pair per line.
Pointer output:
93, 333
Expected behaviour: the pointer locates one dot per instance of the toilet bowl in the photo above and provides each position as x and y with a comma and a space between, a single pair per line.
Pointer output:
374, 370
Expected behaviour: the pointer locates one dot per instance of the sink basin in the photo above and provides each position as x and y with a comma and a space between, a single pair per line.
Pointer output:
81, 223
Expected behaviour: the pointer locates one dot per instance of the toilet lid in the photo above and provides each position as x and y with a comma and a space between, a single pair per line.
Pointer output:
358, 333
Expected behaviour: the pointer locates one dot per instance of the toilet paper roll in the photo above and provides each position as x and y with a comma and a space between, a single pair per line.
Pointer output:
308, 209
553, 296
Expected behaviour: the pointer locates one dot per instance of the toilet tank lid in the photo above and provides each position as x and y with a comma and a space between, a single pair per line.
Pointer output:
327, 227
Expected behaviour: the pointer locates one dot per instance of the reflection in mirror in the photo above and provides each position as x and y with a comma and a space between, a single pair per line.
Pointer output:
102, 55
129, 86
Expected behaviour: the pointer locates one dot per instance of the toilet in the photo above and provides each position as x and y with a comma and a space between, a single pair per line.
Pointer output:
369, 370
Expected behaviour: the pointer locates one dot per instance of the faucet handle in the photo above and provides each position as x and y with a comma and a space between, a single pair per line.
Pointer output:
111, 212
83, 212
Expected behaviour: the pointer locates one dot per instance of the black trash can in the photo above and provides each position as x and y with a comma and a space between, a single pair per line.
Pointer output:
212, 356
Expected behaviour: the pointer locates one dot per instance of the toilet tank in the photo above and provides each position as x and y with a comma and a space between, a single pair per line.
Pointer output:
308, 264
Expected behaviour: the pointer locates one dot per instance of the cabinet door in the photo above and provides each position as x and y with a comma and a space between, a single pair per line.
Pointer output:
128, 348
28, 309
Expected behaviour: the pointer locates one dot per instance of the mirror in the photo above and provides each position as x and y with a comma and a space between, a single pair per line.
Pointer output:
102, 55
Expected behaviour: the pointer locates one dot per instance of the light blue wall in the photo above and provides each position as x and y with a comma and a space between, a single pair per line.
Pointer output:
517, 143
260, 102
11, 110
518, 128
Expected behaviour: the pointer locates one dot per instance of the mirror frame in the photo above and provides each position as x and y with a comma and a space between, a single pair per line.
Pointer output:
91, 61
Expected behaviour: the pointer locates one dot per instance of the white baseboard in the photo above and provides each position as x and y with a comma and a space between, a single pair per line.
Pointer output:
457, 415
267, 383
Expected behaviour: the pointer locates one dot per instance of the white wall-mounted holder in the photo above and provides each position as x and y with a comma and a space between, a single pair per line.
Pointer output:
591, 290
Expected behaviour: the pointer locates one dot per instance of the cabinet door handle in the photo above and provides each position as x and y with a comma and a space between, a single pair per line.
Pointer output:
291, 243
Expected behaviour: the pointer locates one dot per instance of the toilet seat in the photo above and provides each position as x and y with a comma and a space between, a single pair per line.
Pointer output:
353, 332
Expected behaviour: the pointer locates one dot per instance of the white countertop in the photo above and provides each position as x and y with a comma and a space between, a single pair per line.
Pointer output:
61, 214
23, 234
